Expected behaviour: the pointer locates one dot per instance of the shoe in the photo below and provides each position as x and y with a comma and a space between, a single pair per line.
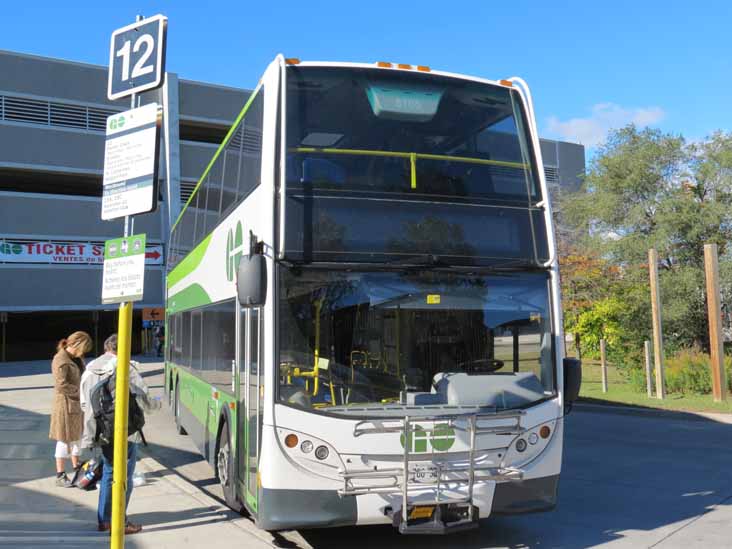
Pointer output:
63, 481
132, 528
104, 527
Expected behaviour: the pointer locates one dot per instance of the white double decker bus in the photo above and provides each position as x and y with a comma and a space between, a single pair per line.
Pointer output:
363, 307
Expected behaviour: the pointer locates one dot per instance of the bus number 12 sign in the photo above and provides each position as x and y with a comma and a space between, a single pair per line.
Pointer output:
137, 57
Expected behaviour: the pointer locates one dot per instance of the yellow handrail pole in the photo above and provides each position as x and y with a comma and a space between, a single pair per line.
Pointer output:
121, 404
413, 169
318, 307
398, 350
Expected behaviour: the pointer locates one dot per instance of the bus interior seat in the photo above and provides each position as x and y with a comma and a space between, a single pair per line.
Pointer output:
295, 394
424, 399
504, 390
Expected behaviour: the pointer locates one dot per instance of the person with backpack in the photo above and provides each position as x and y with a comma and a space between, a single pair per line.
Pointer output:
97, 403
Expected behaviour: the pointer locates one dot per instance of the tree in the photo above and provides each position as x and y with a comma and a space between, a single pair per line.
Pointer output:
644, 189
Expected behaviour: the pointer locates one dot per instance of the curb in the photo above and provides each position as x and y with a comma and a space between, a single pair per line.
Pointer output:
245, 524
656, 413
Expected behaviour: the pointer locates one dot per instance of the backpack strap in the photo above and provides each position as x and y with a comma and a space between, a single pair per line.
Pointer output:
142, 436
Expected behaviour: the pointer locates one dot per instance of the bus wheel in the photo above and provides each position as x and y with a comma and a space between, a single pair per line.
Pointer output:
176, 411
225, 468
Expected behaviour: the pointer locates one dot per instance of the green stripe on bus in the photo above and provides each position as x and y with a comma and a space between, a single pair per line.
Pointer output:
225, 142
193, 296
189, 263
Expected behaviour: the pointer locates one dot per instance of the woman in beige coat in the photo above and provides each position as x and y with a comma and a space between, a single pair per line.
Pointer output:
66, 417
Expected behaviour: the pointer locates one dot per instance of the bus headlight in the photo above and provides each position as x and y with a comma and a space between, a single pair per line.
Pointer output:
529, 445
311, 454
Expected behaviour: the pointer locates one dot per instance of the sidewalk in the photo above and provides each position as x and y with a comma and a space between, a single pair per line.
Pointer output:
36, 513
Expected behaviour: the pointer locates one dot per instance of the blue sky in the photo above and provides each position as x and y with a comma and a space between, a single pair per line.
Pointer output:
591, 65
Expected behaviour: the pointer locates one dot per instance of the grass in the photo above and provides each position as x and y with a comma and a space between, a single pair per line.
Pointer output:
621, 392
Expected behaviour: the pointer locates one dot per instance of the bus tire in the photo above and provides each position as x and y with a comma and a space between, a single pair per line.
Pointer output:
225, 468
176, 411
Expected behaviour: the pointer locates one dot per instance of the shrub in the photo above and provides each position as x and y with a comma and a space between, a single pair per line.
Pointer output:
689, 371
637, 379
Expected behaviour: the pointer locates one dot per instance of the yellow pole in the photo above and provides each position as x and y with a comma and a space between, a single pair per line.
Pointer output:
316, 373
121, 398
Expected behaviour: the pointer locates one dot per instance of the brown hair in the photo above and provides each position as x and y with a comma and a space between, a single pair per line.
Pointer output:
74, 340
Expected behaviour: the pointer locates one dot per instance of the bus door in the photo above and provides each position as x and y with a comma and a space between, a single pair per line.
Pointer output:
251, 389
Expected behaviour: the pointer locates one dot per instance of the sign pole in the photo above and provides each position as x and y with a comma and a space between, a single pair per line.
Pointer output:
121, 408
129, 187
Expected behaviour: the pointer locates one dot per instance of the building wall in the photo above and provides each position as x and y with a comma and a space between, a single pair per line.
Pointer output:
52, 120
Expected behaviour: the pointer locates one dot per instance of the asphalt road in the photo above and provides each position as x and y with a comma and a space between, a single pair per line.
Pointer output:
628, 481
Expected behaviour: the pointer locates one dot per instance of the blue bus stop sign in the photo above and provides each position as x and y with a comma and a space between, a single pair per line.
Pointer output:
137, 57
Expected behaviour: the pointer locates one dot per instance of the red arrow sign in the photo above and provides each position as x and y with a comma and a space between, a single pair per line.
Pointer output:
152, 255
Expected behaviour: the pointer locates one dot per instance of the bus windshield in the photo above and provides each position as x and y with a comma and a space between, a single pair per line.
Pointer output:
356, 129
368, 148
355, 342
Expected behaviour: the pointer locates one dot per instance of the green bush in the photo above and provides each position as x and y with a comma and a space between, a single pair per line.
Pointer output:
689, 371
637, 379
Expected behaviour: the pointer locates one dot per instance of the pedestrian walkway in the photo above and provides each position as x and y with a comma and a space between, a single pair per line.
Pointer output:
34, 512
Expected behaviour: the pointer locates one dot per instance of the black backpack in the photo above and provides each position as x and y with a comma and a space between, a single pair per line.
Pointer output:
102, 401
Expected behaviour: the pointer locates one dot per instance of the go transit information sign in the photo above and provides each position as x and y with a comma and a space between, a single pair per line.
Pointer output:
124, 269
131, 156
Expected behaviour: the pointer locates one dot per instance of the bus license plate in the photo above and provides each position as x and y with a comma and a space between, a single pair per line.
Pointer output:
425, 474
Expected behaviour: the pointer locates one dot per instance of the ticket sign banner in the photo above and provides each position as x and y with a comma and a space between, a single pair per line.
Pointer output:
131, 154
124, 269
66, 253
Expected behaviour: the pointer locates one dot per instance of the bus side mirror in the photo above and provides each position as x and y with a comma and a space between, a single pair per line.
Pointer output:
251, 280
572, 378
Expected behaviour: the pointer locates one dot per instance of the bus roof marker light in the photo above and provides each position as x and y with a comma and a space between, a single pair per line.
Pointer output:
384, 64
292, 61
423, 68
404, 66
291, 440
506, 83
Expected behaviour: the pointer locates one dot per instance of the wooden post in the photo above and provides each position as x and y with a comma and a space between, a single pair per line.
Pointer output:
657, 328
647, 353
714, 308
603, 365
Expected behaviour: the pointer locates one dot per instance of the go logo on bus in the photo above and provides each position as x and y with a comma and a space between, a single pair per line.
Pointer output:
234, 241
440, 439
